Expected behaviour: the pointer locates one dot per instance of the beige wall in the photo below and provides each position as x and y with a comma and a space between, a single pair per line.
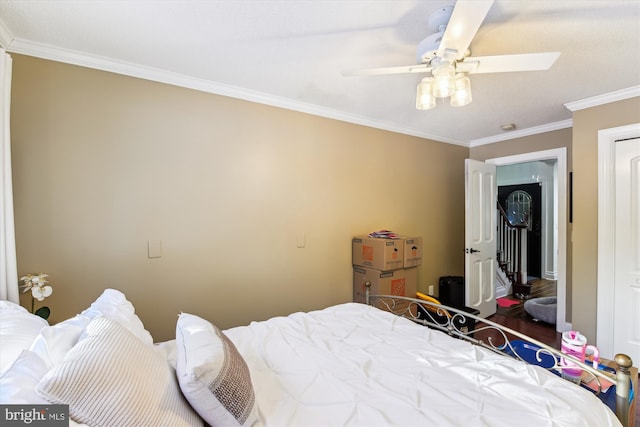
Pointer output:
586, 125
102, 163
528, 144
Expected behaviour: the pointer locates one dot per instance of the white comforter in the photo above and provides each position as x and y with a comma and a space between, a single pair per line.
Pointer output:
356, 365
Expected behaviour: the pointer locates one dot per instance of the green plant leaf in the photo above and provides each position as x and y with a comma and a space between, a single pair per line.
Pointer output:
43, 312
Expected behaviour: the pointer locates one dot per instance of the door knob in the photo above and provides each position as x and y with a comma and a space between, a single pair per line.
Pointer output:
470, 251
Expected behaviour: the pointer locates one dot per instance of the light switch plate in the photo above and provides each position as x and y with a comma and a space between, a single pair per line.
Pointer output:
154, 248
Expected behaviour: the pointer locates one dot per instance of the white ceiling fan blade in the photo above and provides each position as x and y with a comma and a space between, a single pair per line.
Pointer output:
508, 63
465, 21
419, 68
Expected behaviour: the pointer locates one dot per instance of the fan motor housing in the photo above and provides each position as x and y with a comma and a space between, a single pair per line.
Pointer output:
439, 18
428, 48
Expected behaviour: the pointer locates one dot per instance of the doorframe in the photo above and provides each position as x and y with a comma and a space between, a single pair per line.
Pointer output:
560, 190
606, 229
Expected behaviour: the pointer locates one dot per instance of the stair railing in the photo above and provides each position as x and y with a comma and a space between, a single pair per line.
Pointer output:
511, 248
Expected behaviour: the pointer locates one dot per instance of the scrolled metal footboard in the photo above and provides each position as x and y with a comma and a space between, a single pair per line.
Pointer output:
499, 339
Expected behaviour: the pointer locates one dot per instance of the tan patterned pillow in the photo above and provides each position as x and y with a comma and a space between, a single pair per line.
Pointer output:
213, 375
111, 378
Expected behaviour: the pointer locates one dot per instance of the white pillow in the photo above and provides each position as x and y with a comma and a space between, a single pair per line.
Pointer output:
212, 374
114, 305
18, 383
168, 350
55, 341
111, 378
18, 329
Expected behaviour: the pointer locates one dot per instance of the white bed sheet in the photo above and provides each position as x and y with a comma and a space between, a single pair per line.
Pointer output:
352, 364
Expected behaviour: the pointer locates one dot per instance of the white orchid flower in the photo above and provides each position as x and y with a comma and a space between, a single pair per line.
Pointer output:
27, 282
37, 284
39, 280
41, 292
31, 280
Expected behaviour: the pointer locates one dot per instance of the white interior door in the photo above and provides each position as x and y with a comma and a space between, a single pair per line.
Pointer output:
626, 335
618, 296
480, 236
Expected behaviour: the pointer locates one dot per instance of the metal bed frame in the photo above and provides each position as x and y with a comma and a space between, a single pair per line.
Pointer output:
496, 338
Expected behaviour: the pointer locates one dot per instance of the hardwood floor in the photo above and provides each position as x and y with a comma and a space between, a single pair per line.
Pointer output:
516, 318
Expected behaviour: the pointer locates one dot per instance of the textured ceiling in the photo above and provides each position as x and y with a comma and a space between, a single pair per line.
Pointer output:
291, 53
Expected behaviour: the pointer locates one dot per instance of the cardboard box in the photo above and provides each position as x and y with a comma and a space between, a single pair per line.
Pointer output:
403, 282
412, 251
379, 254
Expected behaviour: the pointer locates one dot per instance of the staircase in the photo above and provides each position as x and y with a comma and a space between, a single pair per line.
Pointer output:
512, 256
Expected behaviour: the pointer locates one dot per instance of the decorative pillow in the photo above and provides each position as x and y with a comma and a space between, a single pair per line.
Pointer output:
54, 342
212, 374
18, 383
111, 378
18, 329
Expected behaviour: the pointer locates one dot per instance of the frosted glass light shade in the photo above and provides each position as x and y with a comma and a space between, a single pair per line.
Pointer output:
443, 80
424, 97
462, 94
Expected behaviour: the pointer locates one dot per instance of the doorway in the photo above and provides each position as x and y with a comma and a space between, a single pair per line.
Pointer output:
558, 217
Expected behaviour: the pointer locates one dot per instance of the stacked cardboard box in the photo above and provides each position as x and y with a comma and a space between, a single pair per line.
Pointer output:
390, 265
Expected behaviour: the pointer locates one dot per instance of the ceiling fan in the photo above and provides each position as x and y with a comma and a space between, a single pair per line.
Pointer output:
446, 56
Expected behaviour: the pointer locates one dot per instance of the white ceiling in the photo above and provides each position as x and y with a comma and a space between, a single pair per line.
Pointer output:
291, 53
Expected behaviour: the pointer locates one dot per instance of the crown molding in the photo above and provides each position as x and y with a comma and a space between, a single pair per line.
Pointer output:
44, 51
605, 98
67, 56
593, 101
549, 127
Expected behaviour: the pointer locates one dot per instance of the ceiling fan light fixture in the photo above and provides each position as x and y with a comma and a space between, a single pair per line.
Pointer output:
445, 53
424, 97
444, 75
462, 94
